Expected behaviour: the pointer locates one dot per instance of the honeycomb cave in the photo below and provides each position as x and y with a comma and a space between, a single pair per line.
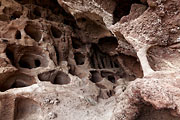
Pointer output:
89, 59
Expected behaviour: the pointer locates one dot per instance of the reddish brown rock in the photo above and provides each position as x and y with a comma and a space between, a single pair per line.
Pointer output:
89, 59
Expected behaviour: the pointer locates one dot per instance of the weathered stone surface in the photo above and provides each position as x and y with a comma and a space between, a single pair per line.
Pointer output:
89, 59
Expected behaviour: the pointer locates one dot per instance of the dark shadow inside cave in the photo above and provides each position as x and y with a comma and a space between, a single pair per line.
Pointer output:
52, 5
17, 80
123, 8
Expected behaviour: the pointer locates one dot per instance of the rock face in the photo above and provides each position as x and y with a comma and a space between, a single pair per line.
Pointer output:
89, 59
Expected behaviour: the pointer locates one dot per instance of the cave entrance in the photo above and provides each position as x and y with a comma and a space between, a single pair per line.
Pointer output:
123, 8
106, 65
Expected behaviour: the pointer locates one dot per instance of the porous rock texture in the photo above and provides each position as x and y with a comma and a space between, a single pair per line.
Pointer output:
89, 59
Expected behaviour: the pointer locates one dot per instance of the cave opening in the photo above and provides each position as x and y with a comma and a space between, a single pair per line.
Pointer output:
79, 58
55, 77
18, 84
113, 66
57, 54
52, 5
112, 79
16, 14
101, 60
37, 12
33, 31
107, 44
18, 34
123, 8
29, 61
24, 64
95, 76
10, 55
17, 80
56, 32
61, 78
76, 42
37, 63
47, 76
111, 76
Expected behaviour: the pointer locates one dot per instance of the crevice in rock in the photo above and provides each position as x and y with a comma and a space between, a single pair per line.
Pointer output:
111, 93
57, 55
101, 86
18, 34
10, 55
72, 70
4, 40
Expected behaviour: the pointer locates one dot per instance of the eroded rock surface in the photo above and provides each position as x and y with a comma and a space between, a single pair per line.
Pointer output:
89, 59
